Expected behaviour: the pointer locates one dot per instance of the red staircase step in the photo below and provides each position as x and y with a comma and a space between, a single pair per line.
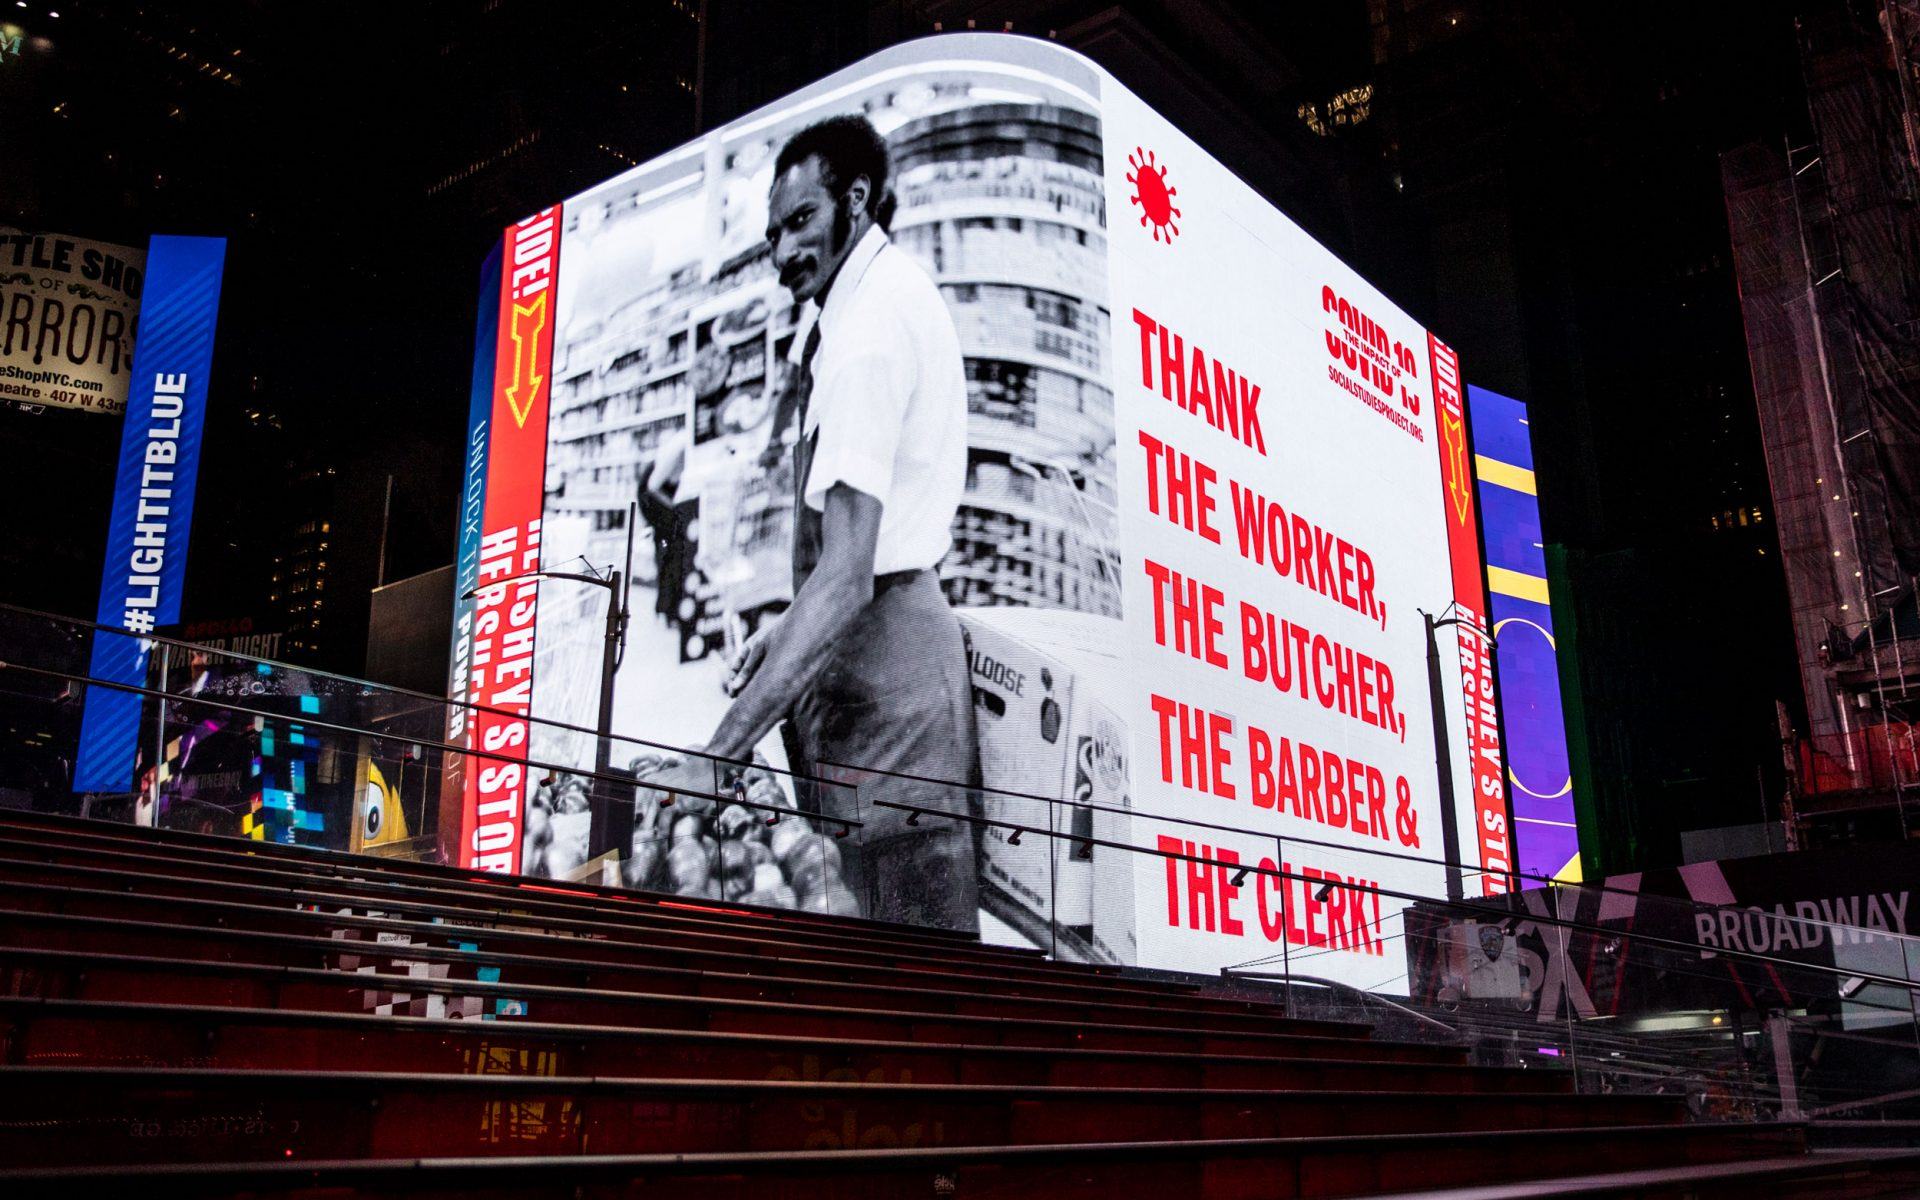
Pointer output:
613, 927
37, 1032
1857, 1174
196, 1016
1241, 1169
72, 974
523, 898
50, 1115
91, 901
50, 829
115, 936
522, 904
100, 840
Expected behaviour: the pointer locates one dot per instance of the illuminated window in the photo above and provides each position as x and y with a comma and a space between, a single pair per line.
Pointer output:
1339, 111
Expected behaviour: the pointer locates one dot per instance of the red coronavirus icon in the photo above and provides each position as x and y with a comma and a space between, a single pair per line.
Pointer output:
1151, 193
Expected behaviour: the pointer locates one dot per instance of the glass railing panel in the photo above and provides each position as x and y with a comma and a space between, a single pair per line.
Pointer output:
1629, 999
693, 826
271, 769
914, 856
1814, 1015
215, 737
1646, 1017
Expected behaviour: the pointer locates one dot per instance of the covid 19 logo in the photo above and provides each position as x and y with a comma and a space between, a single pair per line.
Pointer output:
1153, 195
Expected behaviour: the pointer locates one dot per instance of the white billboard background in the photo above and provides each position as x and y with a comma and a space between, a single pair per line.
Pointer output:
658, 264
1245, 284
69, 308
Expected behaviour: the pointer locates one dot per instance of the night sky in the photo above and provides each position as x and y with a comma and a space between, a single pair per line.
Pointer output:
1538, 183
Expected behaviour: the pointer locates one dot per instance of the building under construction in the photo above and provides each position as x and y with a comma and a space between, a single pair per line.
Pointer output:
1826, 240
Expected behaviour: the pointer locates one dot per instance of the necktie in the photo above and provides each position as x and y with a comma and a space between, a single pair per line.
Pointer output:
806, 522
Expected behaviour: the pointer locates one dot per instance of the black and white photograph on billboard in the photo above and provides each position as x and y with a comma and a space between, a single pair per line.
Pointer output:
1001, 484
830, 386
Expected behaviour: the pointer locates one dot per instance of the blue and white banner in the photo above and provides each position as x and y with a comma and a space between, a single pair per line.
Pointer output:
473, 494
146, 563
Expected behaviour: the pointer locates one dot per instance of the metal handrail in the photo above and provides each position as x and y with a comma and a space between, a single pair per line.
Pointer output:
915, 811
442, 702
1334, 985
847, 824
1052, 801
1464, 906
312, 721
1299, 840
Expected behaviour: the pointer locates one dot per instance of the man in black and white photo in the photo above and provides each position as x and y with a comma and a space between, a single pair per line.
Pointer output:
868, 664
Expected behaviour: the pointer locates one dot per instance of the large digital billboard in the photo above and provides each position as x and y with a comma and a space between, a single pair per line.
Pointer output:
146, 559
1547, 839
983, 429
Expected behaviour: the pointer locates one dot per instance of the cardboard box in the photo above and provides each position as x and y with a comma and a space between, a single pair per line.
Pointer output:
1046, 740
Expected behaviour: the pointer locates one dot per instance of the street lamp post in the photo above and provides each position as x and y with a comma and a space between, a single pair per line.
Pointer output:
613, 641
1442, 753
616, 633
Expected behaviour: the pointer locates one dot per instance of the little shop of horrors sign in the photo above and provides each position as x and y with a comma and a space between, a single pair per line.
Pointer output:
69, 309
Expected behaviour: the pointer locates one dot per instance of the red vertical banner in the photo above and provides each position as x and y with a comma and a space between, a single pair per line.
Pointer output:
1492, 831
494, 798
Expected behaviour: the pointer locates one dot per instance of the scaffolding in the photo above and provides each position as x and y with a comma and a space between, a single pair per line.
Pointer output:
1827, 240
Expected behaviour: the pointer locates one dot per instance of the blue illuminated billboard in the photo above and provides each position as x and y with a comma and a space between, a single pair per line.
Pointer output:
1540, 783
146, 562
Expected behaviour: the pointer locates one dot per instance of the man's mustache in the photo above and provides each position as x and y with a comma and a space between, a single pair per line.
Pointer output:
792, 273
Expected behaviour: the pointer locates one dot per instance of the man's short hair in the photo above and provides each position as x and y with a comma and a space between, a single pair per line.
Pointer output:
848, 147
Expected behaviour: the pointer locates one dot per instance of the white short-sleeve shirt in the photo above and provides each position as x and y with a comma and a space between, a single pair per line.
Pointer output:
889, 401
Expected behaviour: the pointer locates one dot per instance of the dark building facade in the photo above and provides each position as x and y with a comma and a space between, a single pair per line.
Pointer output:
1826, 236
1553, 207
1534, 181
360, 160
119, 123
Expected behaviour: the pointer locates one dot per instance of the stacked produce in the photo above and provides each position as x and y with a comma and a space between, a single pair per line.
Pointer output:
695, 845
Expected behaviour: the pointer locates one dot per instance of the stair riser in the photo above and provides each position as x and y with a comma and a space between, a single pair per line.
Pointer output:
168, 874
1263, 1174
98, 841
197, 914
310, 951
89, 891
245, 987
813, 1054
205, 1041
62, 1124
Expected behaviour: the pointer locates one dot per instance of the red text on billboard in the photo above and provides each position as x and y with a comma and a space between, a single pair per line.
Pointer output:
501, 674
